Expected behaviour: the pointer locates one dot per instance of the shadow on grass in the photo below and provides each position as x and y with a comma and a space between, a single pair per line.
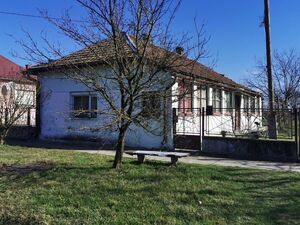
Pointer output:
9, 219
275, 197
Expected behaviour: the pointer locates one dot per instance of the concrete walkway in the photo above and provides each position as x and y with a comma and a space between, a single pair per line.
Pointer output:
205, 160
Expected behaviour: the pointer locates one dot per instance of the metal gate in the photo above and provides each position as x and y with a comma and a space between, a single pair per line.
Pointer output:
188, 128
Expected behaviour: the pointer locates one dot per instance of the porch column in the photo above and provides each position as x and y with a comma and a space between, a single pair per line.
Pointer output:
259, 105
223, 101
175, 103
249, 103
196, 96
242, 102
209, 95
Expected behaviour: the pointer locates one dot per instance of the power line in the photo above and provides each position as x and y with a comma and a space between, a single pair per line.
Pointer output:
36, 16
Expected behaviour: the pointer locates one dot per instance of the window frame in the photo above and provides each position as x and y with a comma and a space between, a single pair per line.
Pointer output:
215, 100
91, 112
228, 101
30, 93
246, 107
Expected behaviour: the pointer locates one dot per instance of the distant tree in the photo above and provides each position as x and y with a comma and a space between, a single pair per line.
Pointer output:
286, 72
139, 36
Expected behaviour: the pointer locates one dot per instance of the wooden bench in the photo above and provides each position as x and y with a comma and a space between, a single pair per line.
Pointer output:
173, 155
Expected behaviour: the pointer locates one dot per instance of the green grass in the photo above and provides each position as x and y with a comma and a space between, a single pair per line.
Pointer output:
79, 188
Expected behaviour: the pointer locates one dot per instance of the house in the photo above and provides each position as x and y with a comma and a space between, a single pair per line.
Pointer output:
236, 109
201, 86
16, 88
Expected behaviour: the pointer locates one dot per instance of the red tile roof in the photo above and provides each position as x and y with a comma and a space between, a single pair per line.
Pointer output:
102, 51
9, 70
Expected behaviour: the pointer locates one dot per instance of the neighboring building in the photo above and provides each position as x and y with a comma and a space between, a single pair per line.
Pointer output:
21, 88
203, 87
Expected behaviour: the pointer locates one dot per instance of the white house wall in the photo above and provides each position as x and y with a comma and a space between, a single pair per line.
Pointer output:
57, 122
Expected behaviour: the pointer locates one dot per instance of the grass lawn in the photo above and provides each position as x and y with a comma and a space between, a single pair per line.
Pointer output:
59, 187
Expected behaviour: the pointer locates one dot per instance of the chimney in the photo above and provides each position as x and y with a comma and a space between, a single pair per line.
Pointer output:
179, 50
26, 70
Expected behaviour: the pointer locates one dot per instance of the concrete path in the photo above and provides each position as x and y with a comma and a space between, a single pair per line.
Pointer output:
205, 160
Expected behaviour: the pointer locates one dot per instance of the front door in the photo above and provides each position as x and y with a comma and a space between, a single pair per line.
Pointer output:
237, 100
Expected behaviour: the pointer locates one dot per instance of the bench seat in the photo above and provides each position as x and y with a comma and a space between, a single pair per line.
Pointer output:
173, 155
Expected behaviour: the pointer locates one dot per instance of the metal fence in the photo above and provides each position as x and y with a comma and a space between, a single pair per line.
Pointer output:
252, 123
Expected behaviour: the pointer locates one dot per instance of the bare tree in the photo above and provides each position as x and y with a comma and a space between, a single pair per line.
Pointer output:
286, 72
16, 98
133, 40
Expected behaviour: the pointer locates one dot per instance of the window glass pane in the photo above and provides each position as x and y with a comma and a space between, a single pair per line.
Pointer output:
93, 106
228, 101
81, 106
246, 103
216, 100
24, 97
81, 102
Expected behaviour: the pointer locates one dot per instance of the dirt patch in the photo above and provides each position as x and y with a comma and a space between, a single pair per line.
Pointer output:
28, 168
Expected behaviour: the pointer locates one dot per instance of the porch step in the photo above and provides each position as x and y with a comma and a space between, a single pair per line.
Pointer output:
191, 151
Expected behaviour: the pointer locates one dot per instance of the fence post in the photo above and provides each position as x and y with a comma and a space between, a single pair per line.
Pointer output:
174, 114
202, 118
200, 128
28, 117
296, 130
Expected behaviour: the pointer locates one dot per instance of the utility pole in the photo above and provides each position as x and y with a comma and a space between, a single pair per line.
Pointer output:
272, 116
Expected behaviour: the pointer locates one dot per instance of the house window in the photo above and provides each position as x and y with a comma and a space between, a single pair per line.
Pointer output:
185, 97
228, 101
151, 104
24, 97
203, 96
246, 103
84, 106
216, 100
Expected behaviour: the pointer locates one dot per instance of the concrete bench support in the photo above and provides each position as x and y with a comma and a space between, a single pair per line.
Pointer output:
141, 158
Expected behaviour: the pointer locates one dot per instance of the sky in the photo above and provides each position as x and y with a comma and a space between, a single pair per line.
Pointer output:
237, 37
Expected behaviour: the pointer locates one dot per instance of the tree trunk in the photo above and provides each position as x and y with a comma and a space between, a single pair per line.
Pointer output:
120, 149
1, 139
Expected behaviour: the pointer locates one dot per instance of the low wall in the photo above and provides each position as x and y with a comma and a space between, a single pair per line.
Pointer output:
187, 142
21, 132
255, 149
